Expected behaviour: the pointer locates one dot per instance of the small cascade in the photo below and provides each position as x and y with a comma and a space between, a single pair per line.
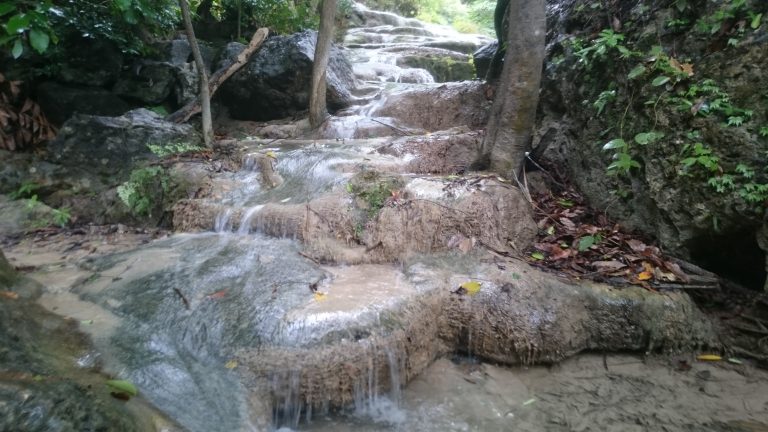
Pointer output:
223, 224
245, 222
370, 402
287, 405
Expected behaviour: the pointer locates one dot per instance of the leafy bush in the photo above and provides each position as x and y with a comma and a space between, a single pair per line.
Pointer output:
281, 16
140, 192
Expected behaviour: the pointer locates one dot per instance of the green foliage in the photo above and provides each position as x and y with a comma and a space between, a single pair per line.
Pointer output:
728, 10
27, 26
37, 24
699, 155
606, 43
676, 89
281, 16
60, 217
372, 191
26, 190
140, 192
603, 99
171, 149
474, 16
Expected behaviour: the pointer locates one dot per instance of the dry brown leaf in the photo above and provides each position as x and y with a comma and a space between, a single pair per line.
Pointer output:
608, 265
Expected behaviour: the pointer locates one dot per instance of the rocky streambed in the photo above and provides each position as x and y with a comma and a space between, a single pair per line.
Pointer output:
315, 272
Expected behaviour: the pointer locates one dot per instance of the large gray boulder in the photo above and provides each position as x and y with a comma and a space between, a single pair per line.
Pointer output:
62, 101
147, 82
113, 145
275, 82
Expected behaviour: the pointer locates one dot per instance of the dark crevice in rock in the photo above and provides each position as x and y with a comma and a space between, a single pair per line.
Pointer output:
734, 255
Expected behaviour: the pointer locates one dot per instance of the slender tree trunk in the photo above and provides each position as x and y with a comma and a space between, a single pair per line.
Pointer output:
513, 114
317, 104
205, 95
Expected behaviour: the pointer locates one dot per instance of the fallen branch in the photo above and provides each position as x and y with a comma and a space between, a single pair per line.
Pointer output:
221, 75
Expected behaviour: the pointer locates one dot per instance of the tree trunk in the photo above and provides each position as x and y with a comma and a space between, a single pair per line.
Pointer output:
317, 104
205, 96
513, 114
217, 79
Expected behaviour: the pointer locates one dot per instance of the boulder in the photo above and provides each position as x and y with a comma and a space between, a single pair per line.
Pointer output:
147, 82
435, 108
90, 62
178, 52
482, 58
275, 82
60, 102
113, 145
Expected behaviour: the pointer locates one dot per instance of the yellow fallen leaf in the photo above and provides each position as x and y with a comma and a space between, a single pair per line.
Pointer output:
471, 287
271, 154
709, 357
230, 364
320, 296
644, 276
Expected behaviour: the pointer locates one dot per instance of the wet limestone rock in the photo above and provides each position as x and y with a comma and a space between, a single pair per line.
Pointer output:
443, 152
438, 107
275, 82
444, 65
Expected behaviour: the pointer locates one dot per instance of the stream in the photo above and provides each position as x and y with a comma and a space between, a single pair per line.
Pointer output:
238, 328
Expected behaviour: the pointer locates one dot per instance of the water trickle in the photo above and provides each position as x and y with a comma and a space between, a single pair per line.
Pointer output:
222, 223
245, 223
287, 404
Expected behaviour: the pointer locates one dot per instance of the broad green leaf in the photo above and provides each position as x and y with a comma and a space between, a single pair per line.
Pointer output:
537, 256
688, 161
17, 24
17, 49
39, 40
586, 242
6, 8
644, 138
636, 72
614, 144
471, 287
660, 81
756, 21
123, 386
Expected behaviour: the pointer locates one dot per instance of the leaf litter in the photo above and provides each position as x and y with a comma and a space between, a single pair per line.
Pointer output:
578, 242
